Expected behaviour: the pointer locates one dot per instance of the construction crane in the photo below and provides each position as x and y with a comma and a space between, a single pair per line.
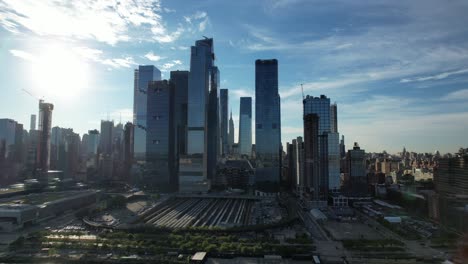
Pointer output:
32, 95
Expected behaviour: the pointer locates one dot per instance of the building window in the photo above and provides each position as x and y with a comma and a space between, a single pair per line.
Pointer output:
274, 125
259, 126
155, 141
157, 117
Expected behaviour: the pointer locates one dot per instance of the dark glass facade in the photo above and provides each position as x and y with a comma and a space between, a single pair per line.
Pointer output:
160, 139
180, 81
311, 154
143, 75
214, 139
45, 127
245, 126
224, 101
267, 122
193, 167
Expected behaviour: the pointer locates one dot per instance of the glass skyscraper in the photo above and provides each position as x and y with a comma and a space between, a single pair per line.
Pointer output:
193, 175
267, 122
214, 143
45, 127
321, 107
180, 81
143, 75
328, 142
245, 126
160, 137
231, 134
224, 100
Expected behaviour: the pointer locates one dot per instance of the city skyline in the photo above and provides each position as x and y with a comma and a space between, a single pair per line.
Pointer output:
414, 92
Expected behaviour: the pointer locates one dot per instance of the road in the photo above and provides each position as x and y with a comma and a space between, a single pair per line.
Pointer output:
412, 246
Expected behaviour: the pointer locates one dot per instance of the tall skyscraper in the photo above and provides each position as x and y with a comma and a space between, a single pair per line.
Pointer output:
224, 101
214, 143
333, 118
267, 122
231, 133
342, 147
193, 175
33, 123
180, 81
143, 75
160, 139
245, 126
451, 186
106, 163
311, 153
357, 184
321, 107
93, 142
106, 138
128, 151
299, 166
7, 135
328, 142
334, 157
43, 148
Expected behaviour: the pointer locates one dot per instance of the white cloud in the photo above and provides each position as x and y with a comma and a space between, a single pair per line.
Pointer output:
456, 95
183, 48
438, 76
241, 93
152, 57
203, 24
177, 62
95, 55
22, 54
104, 21
168, 10
200, 16
125, 62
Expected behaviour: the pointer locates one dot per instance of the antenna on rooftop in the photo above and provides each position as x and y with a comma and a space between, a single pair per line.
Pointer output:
302, 89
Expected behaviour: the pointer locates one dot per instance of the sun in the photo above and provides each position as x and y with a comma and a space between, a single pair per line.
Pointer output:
59, 74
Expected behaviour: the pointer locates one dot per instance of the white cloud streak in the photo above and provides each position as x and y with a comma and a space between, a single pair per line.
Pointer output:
109, 21
23, 55
152, 57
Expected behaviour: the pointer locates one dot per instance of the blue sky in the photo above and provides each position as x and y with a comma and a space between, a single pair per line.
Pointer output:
398, 70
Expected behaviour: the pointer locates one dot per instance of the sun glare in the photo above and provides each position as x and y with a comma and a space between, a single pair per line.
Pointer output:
59, 74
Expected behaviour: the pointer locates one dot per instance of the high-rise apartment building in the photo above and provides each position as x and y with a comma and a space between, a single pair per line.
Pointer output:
160, 138
223, 102
193, 174
7, 137
267, 122
43, 147
128, 151
451, 186
333, 118
106, 138
357, 183
142, 76
33, 123
245, 126
311, 153
93, 142
328, 142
